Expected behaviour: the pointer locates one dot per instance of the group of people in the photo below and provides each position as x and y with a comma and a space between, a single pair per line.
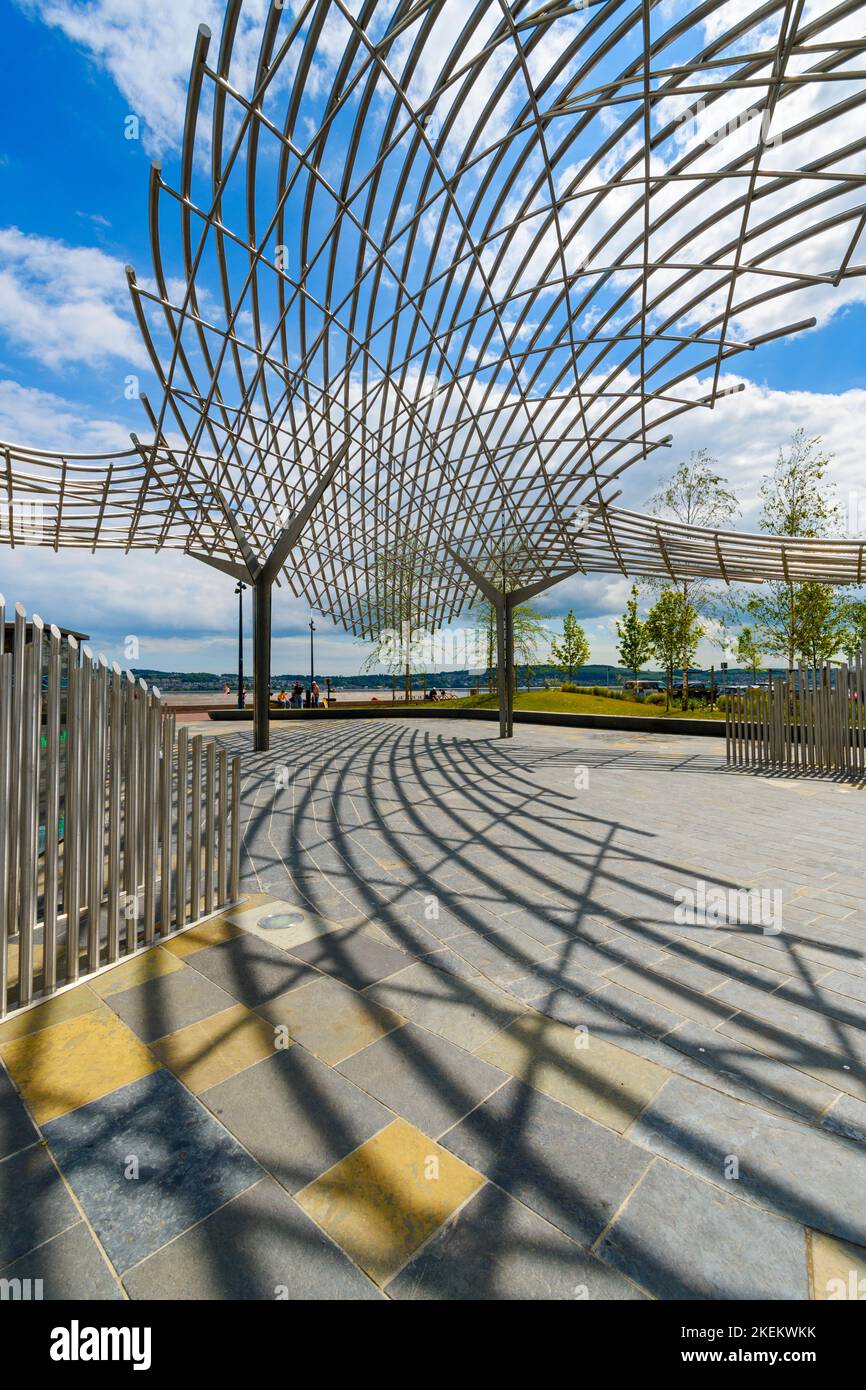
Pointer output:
301, 696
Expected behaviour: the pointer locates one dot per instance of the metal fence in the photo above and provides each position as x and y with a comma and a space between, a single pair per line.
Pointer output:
113, 833
814, 720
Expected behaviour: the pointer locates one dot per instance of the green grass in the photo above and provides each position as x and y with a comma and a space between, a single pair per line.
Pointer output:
562, 702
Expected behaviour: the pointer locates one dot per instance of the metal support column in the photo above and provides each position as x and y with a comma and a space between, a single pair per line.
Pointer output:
261, 662
508, 625
501, 666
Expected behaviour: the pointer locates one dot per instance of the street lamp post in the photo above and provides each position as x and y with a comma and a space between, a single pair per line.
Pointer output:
240, 591
312, 668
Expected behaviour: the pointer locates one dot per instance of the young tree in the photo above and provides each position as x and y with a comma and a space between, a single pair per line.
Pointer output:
572, 651
530, 630
674, 631
797, 501
398, 612
635, 646
854, 637
748, 652
698, 496
821, 623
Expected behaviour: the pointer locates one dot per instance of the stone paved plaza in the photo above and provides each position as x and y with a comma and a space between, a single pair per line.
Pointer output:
458, 1041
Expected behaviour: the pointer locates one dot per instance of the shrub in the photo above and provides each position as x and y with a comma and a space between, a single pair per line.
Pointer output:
655, 697
569, 688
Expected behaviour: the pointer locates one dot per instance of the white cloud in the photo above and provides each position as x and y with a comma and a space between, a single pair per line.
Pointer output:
65, 304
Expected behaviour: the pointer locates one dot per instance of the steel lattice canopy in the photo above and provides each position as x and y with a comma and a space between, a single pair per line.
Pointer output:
434, 277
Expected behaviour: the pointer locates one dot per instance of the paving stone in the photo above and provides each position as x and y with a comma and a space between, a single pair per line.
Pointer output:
756, 1077
17, 1130
71, 1063
329, 1019
216, 1048
464, 1012
210, 933
296, 1115
71, 1004
594, 1077
838, 1268
494, 1248
34, 1203
385, 1199
251, 970
568, 1169
785, 1166
187, 1164
681, 1238
708, 1009
148, 966
353, 956
422, 1077
848, 1117
168, 1002
71, 1268
260, 1245
833, 1068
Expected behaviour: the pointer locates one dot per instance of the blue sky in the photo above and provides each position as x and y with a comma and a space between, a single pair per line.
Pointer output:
73, 212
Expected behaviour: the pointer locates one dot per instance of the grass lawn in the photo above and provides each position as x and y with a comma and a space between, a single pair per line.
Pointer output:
565, 703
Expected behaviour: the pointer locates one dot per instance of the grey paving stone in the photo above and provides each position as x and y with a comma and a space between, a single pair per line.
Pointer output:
465, 1012
500, 955
71, 1267
846, 1117
168, 1002
832, 1068
187, 1164
495, 1249
251, 970
33, 1201
17, 1130
708, 1009
681, 1238
568, 1169
353, 956
762, 1079
422, 1077
785, 1166
296, 1115
261, 1246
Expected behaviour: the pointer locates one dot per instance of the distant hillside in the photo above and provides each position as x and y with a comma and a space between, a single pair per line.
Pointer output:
543, 674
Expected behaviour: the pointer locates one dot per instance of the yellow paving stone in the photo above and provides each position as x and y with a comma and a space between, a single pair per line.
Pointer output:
137, 971
838, 1268
385, 1199
329, 1019
63, 1067
582, 1071
197, 938
216, 1048
71, 1004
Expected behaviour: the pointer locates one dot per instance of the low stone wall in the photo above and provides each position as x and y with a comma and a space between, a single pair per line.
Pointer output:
637, 723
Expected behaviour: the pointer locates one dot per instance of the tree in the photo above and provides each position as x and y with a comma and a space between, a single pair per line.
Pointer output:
748, 652
573, 651
634, 646
821, 626
398, 612
797, 501
854, 636
530, 630
697, 496
674, 631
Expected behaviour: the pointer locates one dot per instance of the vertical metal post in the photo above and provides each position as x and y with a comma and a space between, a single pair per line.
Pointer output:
165, 799
209, 823
234, 874
52, 813
195, 832
182, 775
509, 664
501, 677
261, 664
5, 827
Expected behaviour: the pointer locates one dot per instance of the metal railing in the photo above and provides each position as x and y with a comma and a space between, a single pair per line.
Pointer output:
114, 833
812, 721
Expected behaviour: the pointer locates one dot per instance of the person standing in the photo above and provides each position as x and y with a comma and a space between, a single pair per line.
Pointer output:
315, 692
